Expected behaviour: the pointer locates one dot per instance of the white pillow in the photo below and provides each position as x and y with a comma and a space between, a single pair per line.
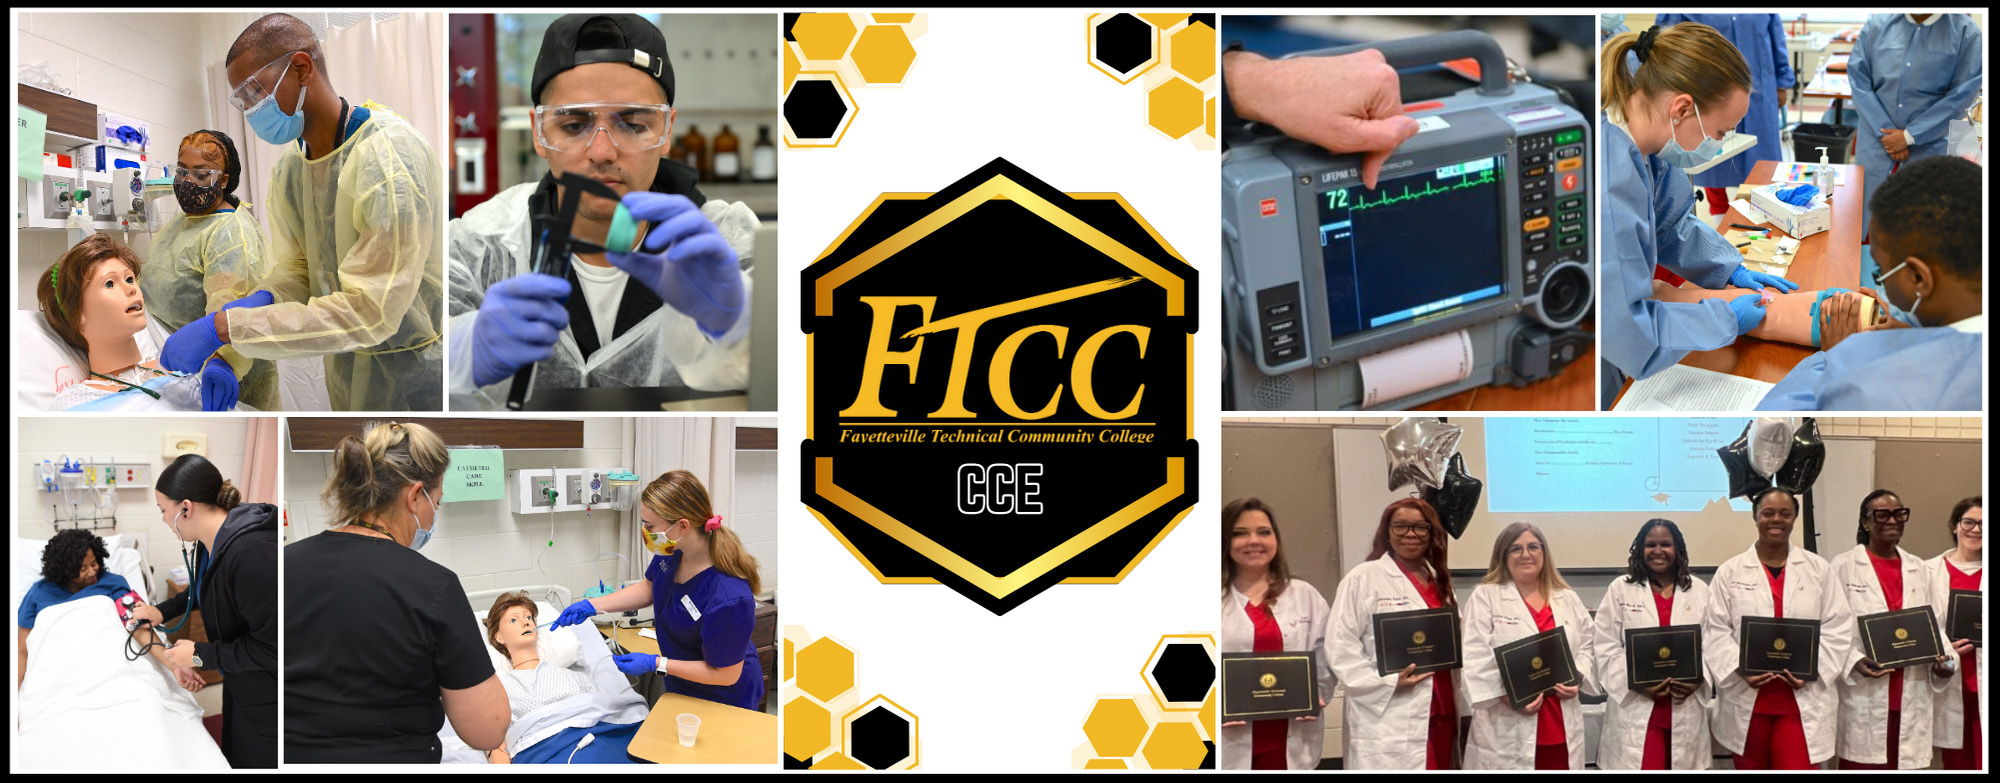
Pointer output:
558, 648
43, 364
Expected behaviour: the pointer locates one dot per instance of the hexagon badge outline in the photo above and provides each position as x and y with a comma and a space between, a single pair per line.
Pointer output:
792, 140
916, 746
1090, 25
1207, 643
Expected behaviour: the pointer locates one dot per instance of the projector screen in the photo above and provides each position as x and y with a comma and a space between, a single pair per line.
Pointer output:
1589, 484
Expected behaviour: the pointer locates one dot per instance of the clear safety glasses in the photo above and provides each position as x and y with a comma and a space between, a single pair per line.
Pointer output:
204, 178
571, 127
251, 91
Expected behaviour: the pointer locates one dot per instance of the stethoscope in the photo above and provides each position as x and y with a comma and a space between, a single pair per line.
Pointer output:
194, 590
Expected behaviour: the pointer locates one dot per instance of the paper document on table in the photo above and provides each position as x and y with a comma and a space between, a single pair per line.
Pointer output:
647, 633
1755, 215
1689, 389
1428, 364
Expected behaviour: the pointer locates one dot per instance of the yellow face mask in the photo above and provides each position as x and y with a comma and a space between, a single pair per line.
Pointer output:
658, 543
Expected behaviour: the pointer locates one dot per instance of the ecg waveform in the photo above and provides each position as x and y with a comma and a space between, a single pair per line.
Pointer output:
1336, 198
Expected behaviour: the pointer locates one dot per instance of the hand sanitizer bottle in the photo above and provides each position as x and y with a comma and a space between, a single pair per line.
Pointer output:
1823, 175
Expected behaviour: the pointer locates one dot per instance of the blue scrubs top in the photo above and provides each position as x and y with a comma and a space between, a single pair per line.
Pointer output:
1918, 77
1926, 369
1760, 38
1648, 218
717, 630
42, 595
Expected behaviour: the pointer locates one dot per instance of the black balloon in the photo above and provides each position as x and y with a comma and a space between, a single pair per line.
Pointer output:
1457, 498
1808, 455
1743, 480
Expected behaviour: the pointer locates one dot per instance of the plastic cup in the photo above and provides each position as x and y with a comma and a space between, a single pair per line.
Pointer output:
689, 724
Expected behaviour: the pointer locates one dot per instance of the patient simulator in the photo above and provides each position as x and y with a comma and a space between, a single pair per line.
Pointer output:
569, 703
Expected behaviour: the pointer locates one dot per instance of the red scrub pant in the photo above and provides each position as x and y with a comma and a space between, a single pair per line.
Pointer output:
1967, 755
1775, 742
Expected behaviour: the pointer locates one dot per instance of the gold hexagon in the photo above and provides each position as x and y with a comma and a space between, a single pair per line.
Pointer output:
823, 36
791, 64
1174, 745
1174, 108
826, 669
883, 54
1146, 671
1105, 764
808, 728
894, 18
1115, 726
839, 761
1210, 124
1208, 712
1090, 55
1191, 51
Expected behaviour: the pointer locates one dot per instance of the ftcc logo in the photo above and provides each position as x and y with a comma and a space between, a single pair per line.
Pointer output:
1000, 377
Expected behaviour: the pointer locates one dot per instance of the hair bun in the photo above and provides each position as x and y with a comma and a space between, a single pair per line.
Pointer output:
228, 497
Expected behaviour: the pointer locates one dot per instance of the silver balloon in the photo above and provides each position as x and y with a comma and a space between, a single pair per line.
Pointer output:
1770, 443
1419, 451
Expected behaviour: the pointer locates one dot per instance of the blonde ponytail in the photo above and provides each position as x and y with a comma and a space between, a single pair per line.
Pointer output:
1689, 57
678, 495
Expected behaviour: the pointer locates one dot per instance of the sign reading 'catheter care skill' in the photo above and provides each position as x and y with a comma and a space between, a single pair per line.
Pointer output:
1000, 387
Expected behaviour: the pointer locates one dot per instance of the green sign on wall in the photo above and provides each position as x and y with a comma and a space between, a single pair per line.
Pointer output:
475, 474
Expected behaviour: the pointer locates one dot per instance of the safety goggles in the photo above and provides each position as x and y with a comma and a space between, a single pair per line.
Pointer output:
251, 91
199, 177
571, 127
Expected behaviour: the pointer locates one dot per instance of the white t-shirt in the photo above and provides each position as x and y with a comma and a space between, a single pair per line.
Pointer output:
603, 290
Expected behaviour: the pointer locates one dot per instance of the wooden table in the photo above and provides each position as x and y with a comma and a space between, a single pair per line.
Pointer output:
729, 735
1573, 389
1828, 259
631, 641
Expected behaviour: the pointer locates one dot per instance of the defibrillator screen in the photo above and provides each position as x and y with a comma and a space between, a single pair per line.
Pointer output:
1417, 244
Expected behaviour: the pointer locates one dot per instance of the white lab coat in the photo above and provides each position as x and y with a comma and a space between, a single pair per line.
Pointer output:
1384, 728
1502, 738
1301, 614
1741, 589
1948, 708
1622, 745
1864, 701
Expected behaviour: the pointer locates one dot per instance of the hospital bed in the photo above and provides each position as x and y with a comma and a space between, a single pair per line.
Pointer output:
127, 559
617, 704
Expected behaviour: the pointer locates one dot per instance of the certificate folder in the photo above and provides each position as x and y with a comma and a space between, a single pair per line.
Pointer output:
1894, 640
1964, 619
1652, 655
1768, 645
1270, 686
1426, 637
1535, 665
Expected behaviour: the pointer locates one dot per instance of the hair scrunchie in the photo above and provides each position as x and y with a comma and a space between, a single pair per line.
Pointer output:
1644, 48
712, 523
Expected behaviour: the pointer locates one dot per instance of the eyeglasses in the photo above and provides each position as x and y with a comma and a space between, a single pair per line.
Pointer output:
1524, 549
199, 177
1883, 516
571, 127
1969, 523
1410, 530
251, 92
1881, 275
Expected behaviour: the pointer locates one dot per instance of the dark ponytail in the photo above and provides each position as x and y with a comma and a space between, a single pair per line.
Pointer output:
193, 477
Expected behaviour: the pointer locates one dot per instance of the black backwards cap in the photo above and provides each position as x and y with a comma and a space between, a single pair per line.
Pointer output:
641, 46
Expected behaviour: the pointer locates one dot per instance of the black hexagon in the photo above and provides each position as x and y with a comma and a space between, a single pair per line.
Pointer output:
1123, 42
790, 19
1207, 19
792, 763
881, 738
1208, 759
1184, 672
814, 109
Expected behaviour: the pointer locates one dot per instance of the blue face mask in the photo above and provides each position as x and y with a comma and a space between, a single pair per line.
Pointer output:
1683, 158
1906, 316
424, 536
272, 124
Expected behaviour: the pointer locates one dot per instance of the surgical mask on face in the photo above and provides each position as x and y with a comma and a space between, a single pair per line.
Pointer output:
1906, 316
423, 536
1609, 22
272, 124
1681, 157
196, 198
659, 543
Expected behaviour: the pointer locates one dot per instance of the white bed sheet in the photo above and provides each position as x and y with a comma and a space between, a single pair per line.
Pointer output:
618, 703
82, 698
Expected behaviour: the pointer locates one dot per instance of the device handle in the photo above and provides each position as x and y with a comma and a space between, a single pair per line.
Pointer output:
1437, 48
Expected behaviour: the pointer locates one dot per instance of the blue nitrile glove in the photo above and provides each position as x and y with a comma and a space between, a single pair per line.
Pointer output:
191, 345
517, 325
1798, 195
575, 614
255, 299
635, 664
218, 386
684, 260
1758, 281
1749, 310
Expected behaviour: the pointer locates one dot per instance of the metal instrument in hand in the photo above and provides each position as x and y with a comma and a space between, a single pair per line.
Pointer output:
572, 230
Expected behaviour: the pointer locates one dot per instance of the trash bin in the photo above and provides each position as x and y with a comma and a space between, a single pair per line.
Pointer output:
1808, 137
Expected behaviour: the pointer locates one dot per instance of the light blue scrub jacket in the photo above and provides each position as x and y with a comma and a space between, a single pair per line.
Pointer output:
1910, 76
1761, 40
1648, 218
1925, 369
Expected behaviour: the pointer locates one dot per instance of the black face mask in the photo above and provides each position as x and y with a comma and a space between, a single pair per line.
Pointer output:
194, 198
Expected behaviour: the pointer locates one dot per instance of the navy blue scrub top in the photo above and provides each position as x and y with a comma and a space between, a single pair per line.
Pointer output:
716, 631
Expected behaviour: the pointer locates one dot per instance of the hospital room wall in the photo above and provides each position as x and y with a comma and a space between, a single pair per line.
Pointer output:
143, 66
120, 440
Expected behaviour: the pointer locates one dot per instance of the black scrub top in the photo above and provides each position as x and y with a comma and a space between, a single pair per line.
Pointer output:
372, 631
